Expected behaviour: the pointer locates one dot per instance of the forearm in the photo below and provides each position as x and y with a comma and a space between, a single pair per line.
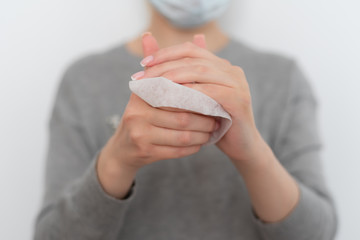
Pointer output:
82, 211
285, 208
273, 191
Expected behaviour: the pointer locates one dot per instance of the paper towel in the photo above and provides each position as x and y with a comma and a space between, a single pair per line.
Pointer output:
162, 92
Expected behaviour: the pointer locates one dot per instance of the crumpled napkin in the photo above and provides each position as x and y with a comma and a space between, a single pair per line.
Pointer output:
162, 92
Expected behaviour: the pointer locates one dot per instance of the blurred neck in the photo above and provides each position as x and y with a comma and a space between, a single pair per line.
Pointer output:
168, 35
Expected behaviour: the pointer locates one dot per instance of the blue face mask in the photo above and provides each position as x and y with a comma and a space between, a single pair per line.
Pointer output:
190, 13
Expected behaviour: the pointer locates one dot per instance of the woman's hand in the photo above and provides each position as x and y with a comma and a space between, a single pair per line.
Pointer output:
273, 192
197, 68
146, 135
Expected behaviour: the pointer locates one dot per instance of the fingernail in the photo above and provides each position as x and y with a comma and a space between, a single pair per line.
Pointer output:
146, 61
137, 76
146, 34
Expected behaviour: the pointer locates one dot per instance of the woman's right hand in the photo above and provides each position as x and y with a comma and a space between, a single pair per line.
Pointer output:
146, 135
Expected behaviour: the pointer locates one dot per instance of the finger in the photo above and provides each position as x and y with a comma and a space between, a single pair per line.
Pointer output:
221, 94
210, 90
149, 44
176, 138
168, 152
199, 40
160, 69
198, 74
182, 121
185, 50
135, 102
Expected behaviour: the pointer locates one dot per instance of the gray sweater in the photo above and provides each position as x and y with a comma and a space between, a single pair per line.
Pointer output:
198, 197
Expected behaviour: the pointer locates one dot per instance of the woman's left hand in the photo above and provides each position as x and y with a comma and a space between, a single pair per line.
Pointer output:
198, 68
273, 192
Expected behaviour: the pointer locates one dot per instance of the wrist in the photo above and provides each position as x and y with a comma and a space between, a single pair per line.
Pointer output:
115, 158
258, 158
115, 178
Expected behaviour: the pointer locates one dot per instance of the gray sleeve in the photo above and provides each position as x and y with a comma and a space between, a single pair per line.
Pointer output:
75, 205
298, 148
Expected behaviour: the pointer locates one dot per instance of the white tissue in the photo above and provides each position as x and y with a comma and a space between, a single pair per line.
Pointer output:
162, 92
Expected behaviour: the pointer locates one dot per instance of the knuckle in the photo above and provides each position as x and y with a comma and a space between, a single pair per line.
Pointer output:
208, 137
204, 138
136, 136
202, 69
189, 45
136, 112
186, 151
152, 71
184, 138
239, 70
129, 117
183, 120
144, 151
195, 149
227, 62
181, 152
163, 51
170, 75
212, 124
157, 70
188, 61
190, 48
178, 153
247, 100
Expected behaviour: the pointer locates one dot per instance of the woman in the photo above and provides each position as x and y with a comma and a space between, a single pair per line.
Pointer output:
260, 181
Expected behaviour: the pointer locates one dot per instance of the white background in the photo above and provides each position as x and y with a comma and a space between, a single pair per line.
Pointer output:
39, 39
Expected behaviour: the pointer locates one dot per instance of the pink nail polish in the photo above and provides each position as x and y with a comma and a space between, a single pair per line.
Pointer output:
146, 61
146, 34
137, 76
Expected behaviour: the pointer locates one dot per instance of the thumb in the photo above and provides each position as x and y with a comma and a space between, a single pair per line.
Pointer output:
149, 44
199, 40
